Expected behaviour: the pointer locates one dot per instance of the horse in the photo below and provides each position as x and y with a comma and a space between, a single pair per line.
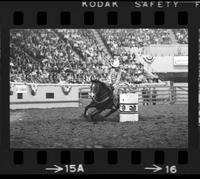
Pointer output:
102, 99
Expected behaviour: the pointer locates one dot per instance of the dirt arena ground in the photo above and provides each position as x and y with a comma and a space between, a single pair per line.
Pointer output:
160, 126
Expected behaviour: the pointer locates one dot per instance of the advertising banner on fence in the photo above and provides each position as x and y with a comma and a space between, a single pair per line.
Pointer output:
180, 60
21, 88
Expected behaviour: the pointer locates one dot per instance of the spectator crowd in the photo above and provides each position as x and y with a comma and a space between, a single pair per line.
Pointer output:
181, 35
75, 55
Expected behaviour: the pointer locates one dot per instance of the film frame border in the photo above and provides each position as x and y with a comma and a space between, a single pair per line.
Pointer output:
52, 10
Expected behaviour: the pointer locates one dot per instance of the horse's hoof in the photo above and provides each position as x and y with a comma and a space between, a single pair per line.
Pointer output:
90, 117
84, 116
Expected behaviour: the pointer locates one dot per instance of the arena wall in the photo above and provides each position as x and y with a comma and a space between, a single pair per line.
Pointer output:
167, 64
46, 96
166, 50
22, 96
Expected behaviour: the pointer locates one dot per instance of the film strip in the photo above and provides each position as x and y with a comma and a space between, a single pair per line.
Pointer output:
137, 58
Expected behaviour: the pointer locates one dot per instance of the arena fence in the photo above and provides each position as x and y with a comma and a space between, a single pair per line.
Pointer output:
152, 94
181, 92
28, 95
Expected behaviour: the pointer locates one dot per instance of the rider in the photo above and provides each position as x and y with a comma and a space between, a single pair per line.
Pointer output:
113, 79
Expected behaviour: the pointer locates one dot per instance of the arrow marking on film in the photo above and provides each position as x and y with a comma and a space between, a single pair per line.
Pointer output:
56, 169
155, 168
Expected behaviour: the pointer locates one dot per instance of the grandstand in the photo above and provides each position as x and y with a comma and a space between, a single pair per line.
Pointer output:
74, 55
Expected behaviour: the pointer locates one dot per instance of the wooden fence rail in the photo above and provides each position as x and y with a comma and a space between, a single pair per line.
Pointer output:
175, 93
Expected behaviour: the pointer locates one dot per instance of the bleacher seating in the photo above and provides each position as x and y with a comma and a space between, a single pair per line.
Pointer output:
74, 55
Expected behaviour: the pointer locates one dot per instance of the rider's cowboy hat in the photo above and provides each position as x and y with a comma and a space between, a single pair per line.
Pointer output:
115, 63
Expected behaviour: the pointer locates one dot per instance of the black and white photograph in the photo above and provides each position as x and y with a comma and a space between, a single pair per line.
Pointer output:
98, 88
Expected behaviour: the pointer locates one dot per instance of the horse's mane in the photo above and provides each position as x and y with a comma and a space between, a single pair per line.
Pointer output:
102, 83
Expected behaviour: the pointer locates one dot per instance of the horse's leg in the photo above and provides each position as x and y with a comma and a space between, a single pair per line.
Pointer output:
87, 107
96, 112
111, 112
114, 108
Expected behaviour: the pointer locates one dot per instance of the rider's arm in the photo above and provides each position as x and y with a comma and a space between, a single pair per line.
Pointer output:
118, 77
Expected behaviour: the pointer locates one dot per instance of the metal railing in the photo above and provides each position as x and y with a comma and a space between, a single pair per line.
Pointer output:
173, 94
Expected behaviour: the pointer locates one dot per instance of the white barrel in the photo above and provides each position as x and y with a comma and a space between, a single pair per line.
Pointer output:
128, 107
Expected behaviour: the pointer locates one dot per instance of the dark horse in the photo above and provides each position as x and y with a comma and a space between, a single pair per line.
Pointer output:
102, 99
